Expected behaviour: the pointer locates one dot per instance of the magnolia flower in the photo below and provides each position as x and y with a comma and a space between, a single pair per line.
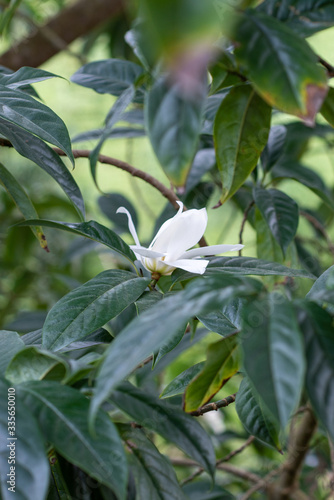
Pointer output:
169, 248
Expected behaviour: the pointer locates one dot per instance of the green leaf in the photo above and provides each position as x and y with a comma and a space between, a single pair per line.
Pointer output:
109, 76
287, 75
217, 322
154, 476
241, 131
167, 316
10, 344
36, 150
323, 289
266, 245
204, 161
23, 202
92, 230
274, 147
19, 108
203, 490
255, 417
90, 306
62, 415
116, 113
317, 326
180, 383
274, 354
34, 364
304, 17
115, 133
170, 422
280, 213
110, 202
24, 76
243, 266
327, 108
222, 361
173, 122
31, 464
305, 176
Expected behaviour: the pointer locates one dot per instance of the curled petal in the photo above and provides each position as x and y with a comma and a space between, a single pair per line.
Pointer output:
197, 266
132, 229
182, 232
146, 252
168, 222
210, 250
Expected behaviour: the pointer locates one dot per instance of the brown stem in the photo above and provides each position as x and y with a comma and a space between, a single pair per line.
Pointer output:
300, 438
213, 406
328, 66
246, 212
263, 483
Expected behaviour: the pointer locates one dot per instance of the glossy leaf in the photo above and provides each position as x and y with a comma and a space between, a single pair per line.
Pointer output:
280, 213
36, 150
31, 467
274, 354
222, 361
34, 364
287, 74
266, 246
306, 176
23, 202
274, 147
304, 17
202, 296
19, 108
180, 383
168, 346
255, 417
317, 327
10, 344
170, 422
110, 202
241, 131
154, 476
92, 230
62, 415
323, 289
24, 76
90, 306
217, 322
116, 133
204, 161
173, 122
109, 76
243, 266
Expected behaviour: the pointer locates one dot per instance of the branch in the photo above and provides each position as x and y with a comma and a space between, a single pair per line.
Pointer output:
263, 483
71, 23
224, 459
298, 448
329, 67
246, 212
213, 406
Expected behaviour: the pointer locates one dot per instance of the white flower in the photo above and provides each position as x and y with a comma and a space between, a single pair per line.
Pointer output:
169, 248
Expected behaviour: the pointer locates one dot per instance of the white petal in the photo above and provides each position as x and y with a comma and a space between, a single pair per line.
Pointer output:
146, 252
210, 250
167, 223
181, 232
132, 229
193, 266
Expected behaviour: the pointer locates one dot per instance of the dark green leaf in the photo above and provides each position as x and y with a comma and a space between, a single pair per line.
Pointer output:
323, 289
327, 108
274, 147
168, 346
154, 476
90, 306
274, 354
222, 361
19, 108
203, 490
280, 213
217, 322
241, 131
173, 122
25, 76
154, 328
170, 422
287, 74
180, 383
116, 133
10, 344
318, 326
255, 417
36, 150
110, 202
204, 161
92, 230
62, 415
243, 266
31, 467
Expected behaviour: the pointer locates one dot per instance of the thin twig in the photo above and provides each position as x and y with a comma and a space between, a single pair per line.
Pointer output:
317, 225
222, 460
328, 66
246, 212
213, 406
263, 483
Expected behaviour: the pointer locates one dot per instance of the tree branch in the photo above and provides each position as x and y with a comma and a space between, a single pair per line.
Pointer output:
298, 447
72, 22
329, 67
213, 406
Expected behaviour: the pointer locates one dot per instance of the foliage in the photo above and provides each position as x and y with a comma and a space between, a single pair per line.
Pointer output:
230, 99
